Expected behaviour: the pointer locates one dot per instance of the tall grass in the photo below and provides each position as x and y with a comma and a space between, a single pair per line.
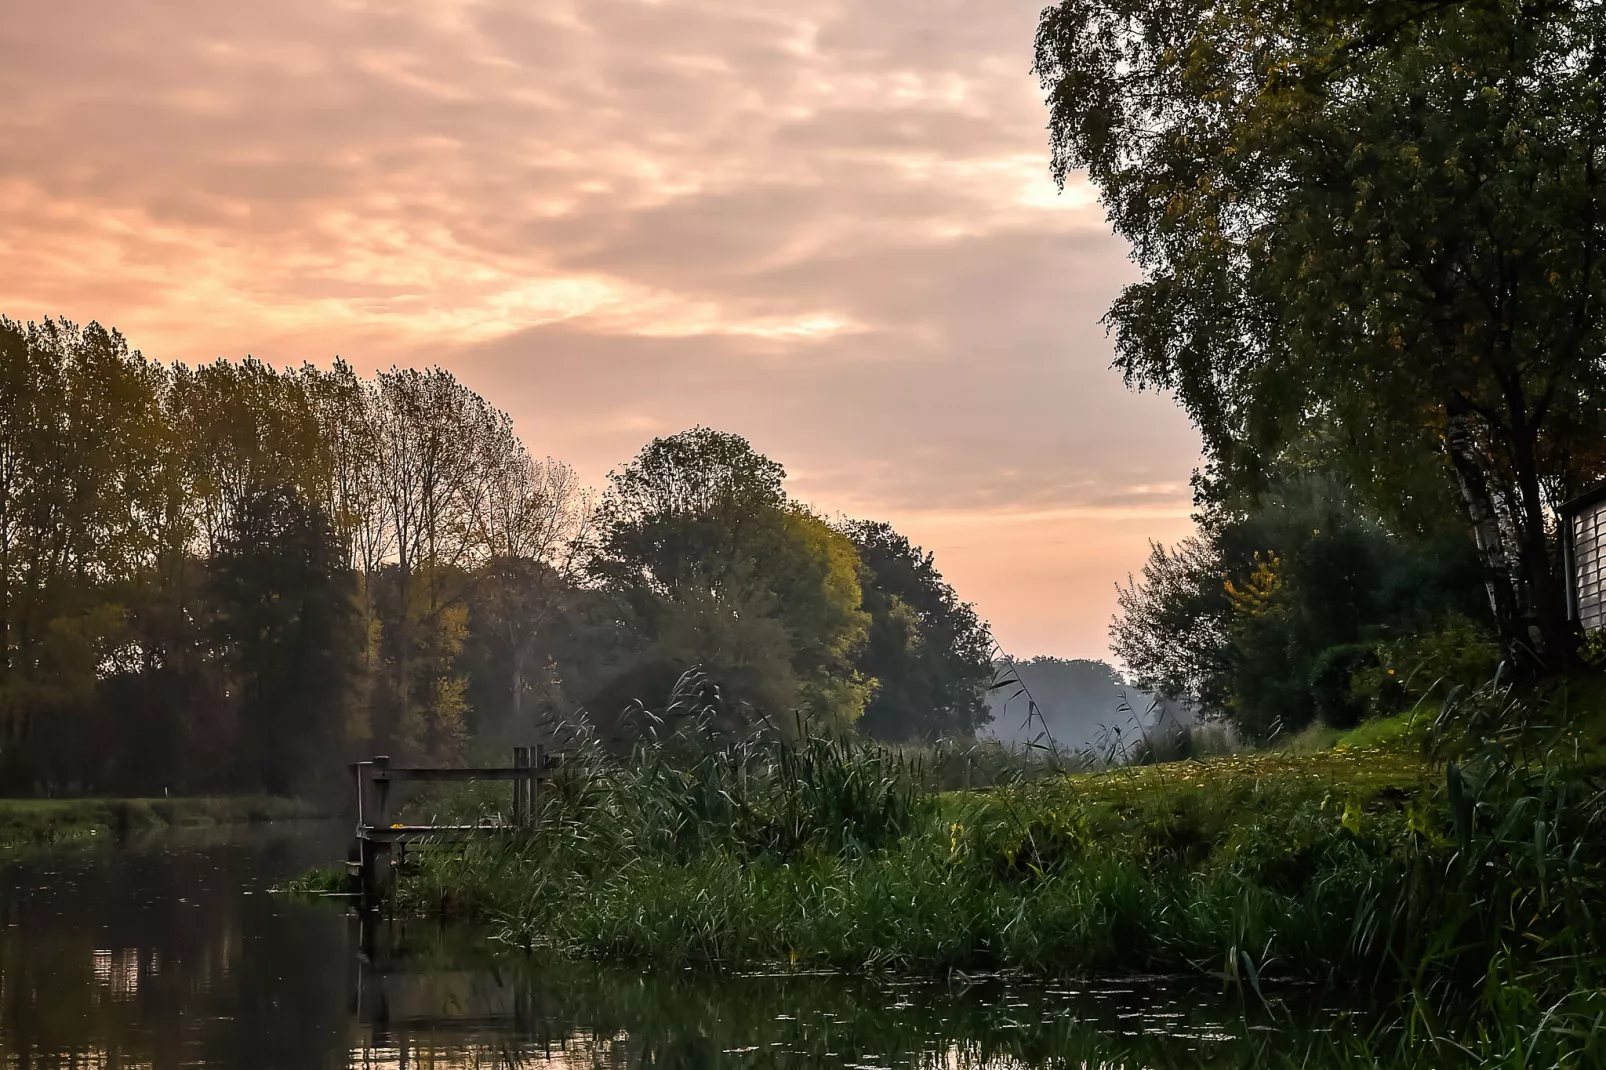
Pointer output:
1461, 886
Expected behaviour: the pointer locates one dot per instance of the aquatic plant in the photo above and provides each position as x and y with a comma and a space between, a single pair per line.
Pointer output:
1455, 877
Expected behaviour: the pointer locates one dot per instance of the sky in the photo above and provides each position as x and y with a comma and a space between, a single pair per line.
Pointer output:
827, 225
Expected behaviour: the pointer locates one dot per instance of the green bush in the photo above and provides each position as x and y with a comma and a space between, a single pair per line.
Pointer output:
1332, 683
1456, 657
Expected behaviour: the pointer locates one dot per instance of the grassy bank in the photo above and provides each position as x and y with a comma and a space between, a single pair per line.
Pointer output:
33, 822
1455, 875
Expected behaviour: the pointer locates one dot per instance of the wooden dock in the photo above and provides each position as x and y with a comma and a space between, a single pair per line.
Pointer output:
381, 844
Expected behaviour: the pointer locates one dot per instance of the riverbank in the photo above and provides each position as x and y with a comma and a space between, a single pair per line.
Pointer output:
38, 822
1453, 875
1247, 864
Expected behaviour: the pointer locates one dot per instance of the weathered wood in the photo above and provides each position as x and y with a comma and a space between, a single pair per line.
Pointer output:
405, 773
381, 844
414, 833
542, 766
521, 786
381, 779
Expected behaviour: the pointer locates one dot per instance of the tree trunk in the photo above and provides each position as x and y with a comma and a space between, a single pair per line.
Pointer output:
1479, 505
1550, 630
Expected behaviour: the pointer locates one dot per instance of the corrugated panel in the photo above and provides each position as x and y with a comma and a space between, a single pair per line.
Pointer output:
1589, 565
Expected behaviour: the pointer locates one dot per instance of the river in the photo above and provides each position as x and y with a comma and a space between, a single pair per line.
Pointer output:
172, 952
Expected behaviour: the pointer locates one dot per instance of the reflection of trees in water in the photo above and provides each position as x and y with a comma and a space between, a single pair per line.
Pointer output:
151, 955
158, 957
441, 996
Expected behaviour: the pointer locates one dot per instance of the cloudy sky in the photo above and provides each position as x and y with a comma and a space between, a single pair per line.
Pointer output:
824, 224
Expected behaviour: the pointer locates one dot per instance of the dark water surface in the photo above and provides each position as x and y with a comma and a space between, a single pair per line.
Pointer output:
172, 953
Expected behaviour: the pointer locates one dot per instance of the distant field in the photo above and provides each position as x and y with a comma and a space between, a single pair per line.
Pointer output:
33, 822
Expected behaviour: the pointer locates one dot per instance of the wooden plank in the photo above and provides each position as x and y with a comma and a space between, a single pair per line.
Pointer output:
409, 833
404, 773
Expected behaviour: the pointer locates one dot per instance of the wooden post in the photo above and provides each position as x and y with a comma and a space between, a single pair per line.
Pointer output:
382, 792
535, 781
521, 787
358, 769
377, 870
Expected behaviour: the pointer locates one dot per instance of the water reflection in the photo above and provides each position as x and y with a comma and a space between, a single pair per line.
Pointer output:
171, 953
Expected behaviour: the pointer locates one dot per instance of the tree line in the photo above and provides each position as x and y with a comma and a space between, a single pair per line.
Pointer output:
232, 577
1371, 239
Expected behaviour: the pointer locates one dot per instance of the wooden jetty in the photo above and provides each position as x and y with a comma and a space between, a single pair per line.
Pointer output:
381, 845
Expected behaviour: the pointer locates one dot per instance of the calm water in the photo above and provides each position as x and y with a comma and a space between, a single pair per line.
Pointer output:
171, 953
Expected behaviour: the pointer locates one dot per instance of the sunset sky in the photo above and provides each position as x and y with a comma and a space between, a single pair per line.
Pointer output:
824, 224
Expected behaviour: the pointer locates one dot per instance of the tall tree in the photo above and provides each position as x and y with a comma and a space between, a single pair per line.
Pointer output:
80, 465
688, 510
928, 652
1379, 218
431, 439
286, 619
720, 570
535, 517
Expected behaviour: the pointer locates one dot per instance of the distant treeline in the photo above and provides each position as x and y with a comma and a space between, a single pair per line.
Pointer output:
1076, 704
235, 578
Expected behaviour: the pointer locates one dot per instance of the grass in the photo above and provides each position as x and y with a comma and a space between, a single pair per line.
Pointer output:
318, 881
1448, 867
38, 822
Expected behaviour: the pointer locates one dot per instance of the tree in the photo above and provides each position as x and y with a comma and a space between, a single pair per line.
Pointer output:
81, 461
719, 570
1240, 619
928, 652
535, 517
1379, 219
166, 534
1076, 704
432, 439
689, 510
286, 623
1170, 626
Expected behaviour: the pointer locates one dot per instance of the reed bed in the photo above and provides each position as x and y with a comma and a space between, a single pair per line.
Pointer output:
1463, 890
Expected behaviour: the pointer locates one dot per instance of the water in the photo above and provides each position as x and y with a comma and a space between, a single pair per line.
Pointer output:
173, 953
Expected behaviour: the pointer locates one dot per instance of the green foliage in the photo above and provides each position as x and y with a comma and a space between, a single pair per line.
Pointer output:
1332, 683
232, 577
928, 653
1454, 657
1369, 233
236, 577
325, 880
1456, 894
287, 621
723, 573
1239, 618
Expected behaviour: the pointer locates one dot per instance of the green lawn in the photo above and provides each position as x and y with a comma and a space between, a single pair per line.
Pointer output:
33, 822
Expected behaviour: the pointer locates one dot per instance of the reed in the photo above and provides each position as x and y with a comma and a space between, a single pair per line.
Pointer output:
1455, 878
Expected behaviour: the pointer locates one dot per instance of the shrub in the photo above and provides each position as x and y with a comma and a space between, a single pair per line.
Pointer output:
1332, 683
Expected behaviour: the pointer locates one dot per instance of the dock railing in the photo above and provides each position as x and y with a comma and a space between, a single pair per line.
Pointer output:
382, 843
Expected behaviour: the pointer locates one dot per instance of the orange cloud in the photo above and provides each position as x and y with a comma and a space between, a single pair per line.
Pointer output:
825, 224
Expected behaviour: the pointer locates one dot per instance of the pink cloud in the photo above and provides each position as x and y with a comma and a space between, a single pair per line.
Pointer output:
825, 224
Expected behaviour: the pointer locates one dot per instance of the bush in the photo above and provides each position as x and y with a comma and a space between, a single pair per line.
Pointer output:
1456, 657
1332, 683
